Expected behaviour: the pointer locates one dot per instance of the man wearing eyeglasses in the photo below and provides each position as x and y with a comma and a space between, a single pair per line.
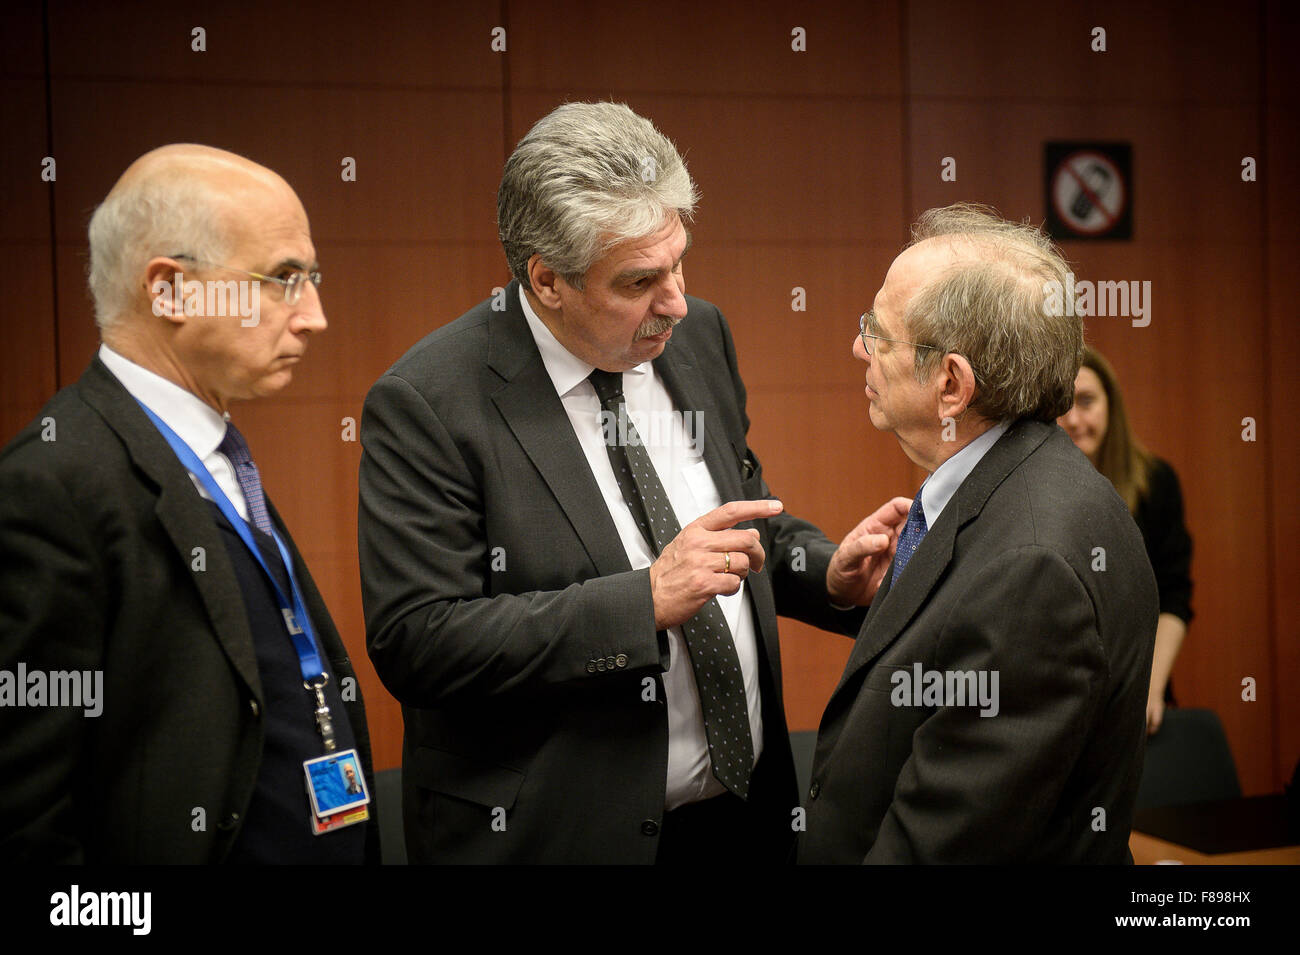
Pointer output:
139, 549
570, 562
993, 708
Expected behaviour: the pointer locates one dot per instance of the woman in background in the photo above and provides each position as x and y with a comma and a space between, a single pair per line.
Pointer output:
1099, 427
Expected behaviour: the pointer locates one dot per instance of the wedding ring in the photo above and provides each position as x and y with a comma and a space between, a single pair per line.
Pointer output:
726, 567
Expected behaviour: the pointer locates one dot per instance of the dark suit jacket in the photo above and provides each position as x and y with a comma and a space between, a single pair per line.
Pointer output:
98, 531
1009, 579
502, 611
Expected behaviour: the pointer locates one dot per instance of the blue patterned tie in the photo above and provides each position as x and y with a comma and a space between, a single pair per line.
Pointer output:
235, 448
708, 638
910, 539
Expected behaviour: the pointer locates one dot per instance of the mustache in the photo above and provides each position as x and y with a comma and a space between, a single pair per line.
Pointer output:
656, 326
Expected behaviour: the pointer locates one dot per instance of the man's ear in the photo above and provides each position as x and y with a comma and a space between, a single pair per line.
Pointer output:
957, 385
544, 281
162, 276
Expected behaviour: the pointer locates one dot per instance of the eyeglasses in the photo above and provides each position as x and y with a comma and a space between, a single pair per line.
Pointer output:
867, 338
293, 285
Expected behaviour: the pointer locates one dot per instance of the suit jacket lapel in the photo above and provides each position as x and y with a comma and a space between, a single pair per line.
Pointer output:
534, 413
183, 514
895, 606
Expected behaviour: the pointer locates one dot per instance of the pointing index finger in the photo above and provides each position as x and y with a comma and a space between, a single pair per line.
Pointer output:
733, 512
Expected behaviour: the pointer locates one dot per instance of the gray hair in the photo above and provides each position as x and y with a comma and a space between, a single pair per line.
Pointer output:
159, 215
586, 177
990, 307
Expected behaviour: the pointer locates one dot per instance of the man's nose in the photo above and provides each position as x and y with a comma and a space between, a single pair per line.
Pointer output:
671, 301
860, 349
310, 315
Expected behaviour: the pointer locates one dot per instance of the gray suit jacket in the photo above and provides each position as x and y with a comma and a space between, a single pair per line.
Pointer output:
98, 530
502, 611
1035, 571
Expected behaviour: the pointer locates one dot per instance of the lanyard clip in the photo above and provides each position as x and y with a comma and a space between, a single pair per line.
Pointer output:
324, 722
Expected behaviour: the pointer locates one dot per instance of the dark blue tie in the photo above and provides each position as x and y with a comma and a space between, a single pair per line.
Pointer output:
235, 448
910, 539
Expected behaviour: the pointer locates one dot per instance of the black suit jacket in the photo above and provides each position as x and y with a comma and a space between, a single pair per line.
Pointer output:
1034, 570
99, 571
502, 611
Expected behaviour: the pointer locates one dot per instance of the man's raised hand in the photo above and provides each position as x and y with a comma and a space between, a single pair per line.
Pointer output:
708, 557
859, 564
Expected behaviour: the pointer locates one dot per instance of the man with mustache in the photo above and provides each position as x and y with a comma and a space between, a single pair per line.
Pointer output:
561, 532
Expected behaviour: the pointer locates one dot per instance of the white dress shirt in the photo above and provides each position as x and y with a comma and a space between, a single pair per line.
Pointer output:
691, 491
195, 422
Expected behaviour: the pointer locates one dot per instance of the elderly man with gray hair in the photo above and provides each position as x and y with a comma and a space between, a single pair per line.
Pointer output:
993, 706
137, 543
562, 529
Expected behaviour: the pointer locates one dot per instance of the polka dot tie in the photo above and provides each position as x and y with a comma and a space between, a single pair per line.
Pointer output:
708, 638
910, 539
234, 447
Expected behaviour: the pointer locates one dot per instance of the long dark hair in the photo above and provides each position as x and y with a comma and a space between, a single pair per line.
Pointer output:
1121, 456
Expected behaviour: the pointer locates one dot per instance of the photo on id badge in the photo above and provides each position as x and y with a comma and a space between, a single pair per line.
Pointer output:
336, 785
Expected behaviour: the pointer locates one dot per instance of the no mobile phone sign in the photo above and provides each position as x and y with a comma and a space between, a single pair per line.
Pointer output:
1089, 190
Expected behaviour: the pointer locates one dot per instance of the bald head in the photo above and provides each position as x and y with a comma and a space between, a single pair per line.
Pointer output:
204, 273
195, 159
182, 199
229, 176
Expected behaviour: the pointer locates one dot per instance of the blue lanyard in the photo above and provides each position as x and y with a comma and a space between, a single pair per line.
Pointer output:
296, 619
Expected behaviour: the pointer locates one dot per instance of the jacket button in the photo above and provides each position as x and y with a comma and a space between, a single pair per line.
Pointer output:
257, 710
610, 663
591, 666
600, 664
230, 822
815, 790
650, 828
620, 661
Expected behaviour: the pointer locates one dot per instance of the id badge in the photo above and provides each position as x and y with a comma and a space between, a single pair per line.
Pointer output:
337, 789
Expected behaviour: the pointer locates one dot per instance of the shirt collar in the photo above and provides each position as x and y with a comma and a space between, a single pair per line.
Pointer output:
940, 486
195, 422
566, 369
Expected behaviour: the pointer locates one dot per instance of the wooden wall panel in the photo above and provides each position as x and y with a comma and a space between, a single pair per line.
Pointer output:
329, 46
731, 48
415, 183
811, 166
27, 362
1024, 51
1281, 522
